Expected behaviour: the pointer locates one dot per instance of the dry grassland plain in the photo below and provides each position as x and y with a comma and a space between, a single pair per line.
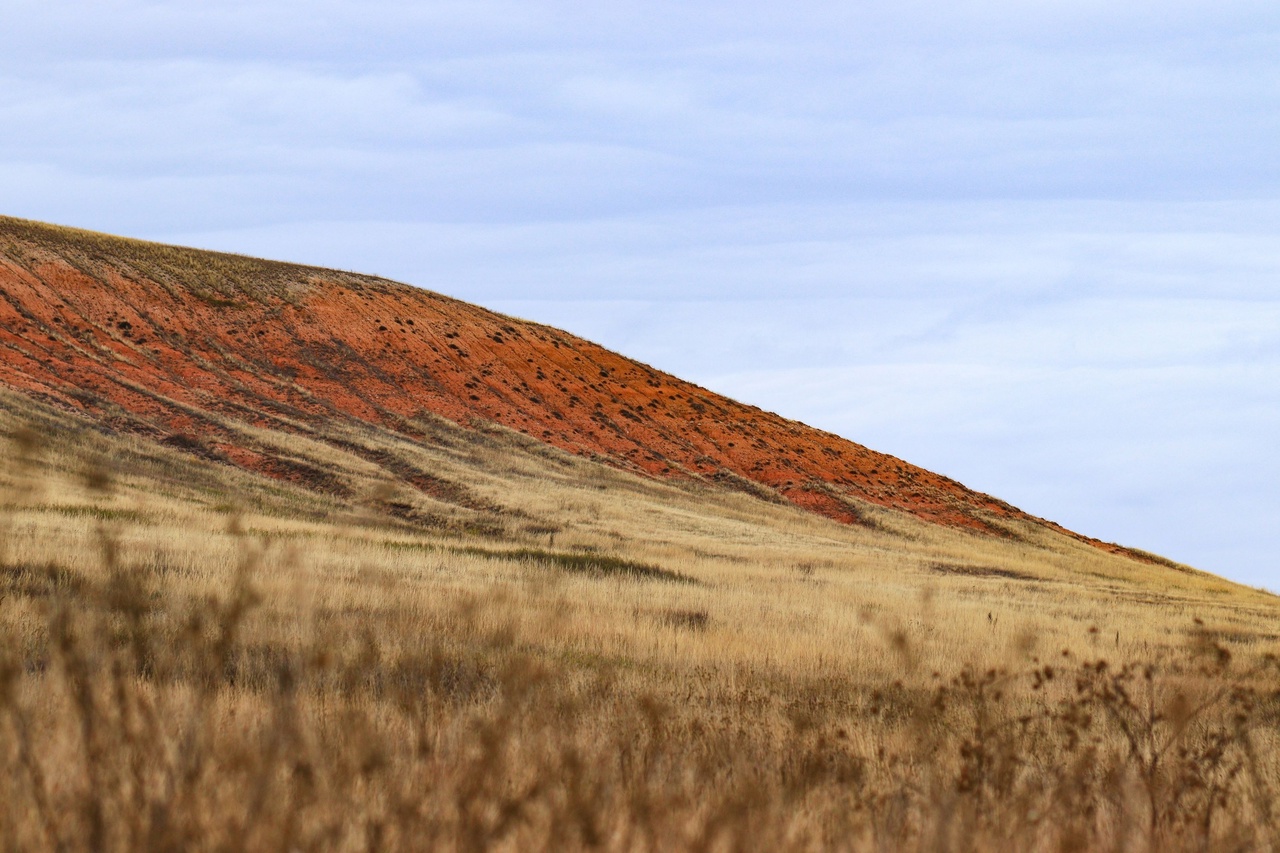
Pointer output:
566, 656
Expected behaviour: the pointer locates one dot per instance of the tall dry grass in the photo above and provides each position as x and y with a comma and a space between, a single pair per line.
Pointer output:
179, 678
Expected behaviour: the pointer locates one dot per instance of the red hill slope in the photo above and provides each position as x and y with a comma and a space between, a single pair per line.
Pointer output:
171, 341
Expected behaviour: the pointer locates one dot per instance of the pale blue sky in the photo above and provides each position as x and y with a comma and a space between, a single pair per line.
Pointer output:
1034, 246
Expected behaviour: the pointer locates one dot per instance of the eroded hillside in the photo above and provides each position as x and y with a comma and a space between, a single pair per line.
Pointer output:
176, 344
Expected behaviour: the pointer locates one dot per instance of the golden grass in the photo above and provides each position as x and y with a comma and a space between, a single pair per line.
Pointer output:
196, 658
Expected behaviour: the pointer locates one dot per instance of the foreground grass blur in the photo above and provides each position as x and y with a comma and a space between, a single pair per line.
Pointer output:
182, 673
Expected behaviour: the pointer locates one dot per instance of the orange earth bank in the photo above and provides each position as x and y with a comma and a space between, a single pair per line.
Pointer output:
155, 339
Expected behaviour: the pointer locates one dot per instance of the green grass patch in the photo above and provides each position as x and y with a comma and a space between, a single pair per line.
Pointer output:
96, 512
593, 565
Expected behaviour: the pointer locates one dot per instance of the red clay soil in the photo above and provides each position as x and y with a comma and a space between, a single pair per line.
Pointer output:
131, 333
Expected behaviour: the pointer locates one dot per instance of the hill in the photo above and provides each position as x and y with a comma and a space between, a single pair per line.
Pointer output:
300, 559
177, 344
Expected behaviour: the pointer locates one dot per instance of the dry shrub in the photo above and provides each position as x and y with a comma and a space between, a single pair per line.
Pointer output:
137, 715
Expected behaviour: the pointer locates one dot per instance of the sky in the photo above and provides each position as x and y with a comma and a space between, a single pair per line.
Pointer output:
1034, 245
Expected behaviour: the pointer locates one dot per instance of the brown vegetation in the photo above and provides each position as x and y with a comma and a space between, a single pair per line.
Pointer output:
195, 657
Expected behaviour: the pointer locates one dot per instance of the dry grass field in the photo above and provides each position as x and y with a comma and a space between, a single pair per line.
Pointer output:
565, 656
